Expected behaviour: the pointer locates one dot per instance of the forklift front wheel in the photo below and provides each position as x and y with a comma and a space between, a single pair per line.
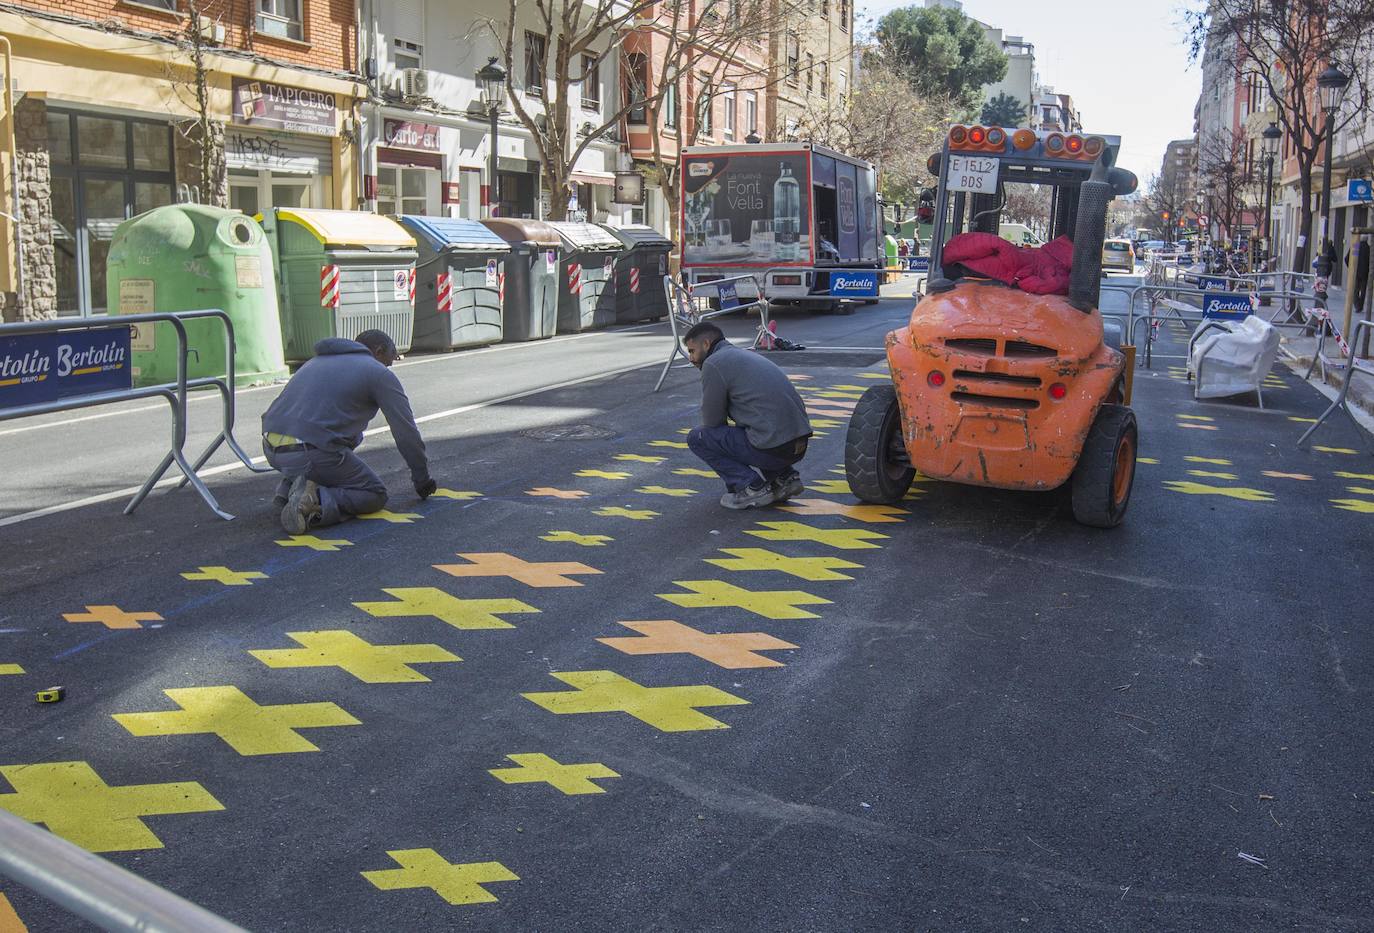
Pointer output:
875, 458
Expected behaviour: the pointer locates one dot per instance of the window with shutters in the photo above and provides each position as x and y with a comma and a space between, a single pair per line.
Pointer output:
536, 51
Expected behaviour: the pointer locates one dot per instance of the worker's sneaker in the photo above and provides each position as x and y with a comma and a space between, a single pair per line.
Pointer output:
302, 509
749, 497
786, 486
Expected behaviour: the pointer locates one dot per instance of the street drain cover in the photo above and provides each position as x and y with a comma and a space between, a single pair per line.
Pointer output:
570, 432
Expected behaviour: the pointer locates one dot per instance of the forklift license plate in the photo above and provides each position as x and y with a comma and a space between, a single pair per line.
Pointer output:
972, 173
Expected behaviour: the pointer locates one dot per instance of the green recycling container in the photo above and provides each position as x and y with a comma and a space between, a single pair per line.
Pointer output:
586, 294
189, 257
340, 273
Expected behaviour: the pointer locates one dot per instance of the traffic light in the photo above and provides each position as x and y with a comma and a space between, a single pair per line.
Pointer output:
1166, 215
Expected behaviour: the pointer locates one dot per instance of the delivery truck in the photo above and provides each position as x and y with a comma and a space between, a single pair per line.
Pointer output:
800, 218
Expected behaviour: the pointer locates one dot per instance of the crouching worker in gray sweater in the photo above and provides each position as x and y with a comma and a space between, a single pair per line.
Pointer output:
310, 431
754, 456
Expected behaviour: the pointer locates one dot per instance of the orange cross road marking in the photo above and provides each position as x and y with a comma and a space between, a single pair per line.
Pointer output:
1276, 475
507, 565
732, 651
552, 493
112, 617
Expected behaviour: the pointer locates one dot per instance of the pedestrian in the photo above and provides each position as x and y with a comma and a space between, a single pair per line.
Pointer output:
756, 455
310, 432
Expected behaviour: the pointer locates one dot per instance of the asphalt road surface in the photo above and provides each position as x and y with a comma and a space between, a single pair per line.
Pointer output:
575, 694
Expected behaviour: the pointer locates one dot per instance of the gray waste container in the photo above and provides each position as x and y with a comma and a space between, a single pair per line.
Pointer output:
529, 308
340, 273
458, 282
639, 291
586, 290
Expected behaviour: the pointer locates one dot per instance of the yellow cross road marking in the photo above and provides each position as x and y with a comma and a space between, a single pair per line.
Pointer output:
572, 537
112, 617
848, 388
1235, 492
859, 513
7, 669
460, 494
668, 709
226, 576
1334, 450
873, 375
694, 471
731, 651
314, 543
803, 568
827, 413
830, 486
684, 430
845, 395
9, 918
372, 664
639, 458
73, 802
243, 725
1360, 490
771, 604
1210, 474
1146, 460
1212, 460
677, 444
1198, 417
798, 377
1302, 420
1276, 475
456, 884
1354, 505
1198, 427
539, 768
459, 613
677, 493
1365, 476
603, 474
615, 511
507, 565
826, 423
845, 539
550, 492
392, 518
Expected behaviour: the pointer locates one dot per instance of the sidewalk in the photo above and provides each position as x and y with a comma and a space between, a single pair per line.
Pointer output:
1299, 350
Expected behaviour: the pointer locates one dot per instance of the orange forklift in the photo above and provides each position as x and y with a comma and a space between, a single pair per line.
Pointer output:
993, 385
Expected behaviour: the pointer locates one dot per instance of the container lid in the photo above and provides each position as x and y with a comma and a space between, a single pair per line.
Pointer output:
349, 228
454, 234
520, 230
639, 235
584, 236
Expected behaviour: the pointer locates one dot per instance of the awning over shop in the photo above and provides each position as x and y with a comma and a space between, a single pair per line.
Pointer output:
593, 178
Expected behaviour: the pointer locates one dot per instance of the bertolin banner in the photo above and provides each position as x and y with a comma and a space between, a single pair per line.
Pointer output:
854, 284
37, 368
1227, 307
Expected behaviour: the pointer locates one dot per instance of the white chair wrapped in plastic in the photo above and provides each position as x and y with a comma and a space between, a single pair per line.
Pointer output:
1232, 357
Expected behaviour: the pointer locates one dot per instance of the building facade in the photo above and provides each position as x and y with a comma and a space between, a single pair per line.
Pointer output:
811, 63
107, 124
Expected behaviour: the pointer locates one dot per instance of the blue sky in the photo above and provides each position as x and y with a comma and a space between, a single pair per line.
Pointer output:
1124, 63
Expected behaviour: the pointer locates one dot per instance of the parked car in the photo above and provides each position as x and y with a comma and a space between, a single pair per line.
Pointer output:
1118, 255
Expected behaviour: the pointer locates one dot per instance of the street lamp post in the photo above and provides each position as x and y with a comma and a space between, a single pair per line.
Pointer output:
492, 79
1332, 83
1270, 145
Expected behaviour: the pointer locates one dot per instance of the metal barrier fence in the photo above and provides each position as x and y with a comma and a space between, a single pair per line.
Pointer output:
94, 889
1354, 366
176, 394
686, 309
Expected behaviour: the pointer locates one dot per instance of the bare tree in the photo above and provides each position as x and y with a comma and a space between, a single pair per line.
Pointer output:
1166, 202
1287, 43
573, 38
190, 84
1224, 168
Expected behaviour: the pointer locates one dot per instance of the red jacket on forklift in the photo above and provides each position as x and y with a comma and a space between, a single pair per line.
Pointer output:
1041, 270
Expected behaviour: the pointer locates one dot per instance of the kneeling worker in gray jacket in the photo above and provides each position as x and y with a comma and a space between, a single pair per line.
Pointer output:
754, 456
310, 431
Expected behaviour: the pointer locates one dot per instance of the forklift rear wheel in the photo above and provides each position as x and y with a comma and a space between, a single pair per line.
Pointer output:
1101, 484
875, 458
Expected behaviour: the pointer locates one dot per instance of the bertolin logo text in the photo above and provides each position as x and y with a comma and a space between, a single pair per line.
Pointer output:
859, 281
89, 360
28, 367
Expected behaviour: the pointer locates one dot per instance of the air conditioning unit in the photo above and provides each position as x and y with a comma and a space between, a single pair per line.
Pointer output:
212, 32
541, 122
414, 83
586, 129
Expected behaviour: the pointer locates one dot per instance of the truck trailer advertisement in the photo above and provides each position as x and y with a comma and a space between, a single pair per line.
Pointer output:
747, 209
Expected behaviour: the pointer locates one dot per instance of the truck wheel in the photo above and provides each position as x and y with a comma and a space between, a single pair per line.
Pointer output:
875, 458
1101, 484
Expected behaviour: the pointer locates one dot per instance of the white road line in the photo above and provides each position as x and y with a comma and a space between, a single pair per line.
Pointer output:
436, 358
230, 467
